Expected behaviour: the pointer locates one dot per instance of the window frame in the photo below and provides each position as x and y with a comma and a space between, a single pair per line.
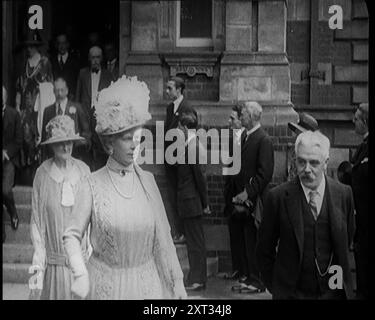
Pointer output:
192, 42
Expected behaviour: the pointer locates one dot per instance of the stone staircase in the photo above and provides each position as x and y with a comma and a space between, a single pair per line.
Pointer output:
18, 249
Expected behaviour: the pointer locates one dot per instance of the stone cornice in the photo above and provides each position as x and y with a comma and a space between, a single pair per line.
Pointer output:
254, 58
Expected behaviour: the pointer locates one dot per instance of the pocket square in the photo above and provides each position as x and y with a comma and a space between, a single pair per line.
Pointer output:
364, 160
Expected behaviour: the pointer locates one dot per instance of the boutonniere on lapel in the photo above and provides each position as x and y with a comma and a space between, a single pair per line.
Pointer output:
364, 160
72, 110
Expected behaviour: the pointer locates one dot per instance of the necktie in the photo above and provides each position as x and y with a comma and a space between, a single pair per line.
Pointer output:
59, 110
312, 204
61, 62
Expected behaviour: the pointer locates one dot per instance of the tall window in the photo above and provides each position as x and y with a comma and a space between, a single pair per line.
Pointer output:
194, 23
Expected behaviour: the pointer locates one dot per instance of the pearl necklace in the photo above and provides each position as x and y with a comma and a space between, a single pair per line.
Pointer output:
36, 69
116, 188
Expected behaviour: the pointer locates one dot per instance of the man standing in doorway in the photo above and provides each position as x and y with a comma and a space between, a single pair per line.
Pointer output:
90, 81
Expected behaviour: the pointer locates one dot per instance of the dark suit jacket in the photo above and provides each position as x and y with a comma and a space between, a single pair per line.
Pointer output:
69, 72
12, 134
257, 162
83, 92
73, 110
191, 185
116, 70
172, 118
361, 186
282, 228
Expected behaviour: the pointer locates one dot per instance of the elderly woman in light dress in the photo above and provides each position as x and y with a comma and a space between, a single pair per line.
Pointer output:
133, 253
54, 194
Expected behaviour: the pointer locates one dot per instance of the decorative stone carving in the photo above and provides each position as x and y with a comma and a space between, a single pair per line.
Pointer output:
191, 63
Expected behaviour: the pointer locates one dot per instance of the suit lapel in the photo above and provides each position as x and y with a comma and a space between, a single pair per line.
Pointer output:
88, 82
294, 208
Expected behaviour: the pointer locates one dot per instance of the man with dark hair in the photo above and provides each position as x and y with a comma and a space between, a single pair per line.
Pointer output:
64, 64
236, 241
12, 142
361, 186
192, 201
179, 105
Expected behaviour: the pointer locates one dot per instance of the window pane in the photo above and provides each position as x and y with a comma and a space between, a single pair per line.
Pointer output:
195, 19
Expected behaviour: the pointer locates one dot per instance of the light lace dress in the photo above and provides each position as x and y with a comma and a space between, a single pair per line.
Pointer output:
53, 197
133, 253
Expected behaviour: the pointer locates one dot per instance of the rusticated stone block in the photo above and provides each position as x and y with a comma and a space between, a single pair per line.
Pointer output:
356, 73
345, 137
254, 88
356, 29
360, 52
360, 94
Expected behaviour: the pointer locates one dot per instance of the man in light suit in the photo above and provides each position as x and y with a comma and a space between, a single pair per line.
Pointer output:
307, 227
90, 81
179, 104
64, 106
12, 142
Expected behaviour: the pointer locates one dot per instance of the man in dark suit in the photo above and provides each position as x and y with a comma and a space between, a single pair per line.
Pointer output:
179, 104
65, 65
63, 106
192, 201
307, 227
234, 225
249, 186
90, 81
111, 59
361, 186
12, 142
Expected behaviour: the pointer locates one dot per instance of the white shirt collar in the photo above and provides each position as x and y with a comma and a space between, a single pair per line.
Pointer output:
62, 105
365, 135
64, 56
249, 132
177, 103
321, 189
112, 61
34, 60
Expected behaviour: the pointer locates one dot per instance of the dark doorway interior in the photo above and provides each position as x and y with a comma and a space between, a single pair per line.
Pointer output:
79, 19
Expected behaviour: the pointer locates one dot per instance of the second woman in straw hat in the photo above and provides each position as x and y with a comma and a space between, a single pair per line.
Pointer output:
54, 193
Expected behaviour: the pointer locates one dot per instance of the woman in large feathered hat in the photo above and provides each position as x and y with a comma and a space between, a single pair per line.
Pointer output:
133, 253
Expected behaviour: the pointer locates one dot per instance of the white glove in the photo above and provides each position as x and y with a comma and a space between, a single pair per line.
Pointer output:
81, 286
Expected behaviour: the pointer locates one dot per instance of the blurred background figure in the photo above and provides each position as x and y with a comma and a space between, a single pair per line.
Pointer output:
90, 81
12, 141
344, 173
361, 186
111, 59
31, 98
65, 64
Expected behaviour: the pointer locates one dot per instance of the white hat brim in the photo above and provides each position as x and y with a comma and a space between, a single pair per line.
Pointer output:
140, 124
62, 139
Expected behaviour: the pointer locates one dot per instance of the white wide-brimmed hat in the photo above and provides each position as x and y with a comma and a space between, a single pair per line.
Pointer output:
61, 128
122, 106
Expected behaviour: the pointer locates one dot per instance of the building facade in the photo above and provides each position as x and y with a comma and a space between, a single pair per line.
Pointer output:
281, 53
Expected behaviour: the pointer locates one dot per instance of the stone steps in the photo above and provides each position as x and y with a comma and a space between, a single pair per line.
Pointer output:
23, 211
